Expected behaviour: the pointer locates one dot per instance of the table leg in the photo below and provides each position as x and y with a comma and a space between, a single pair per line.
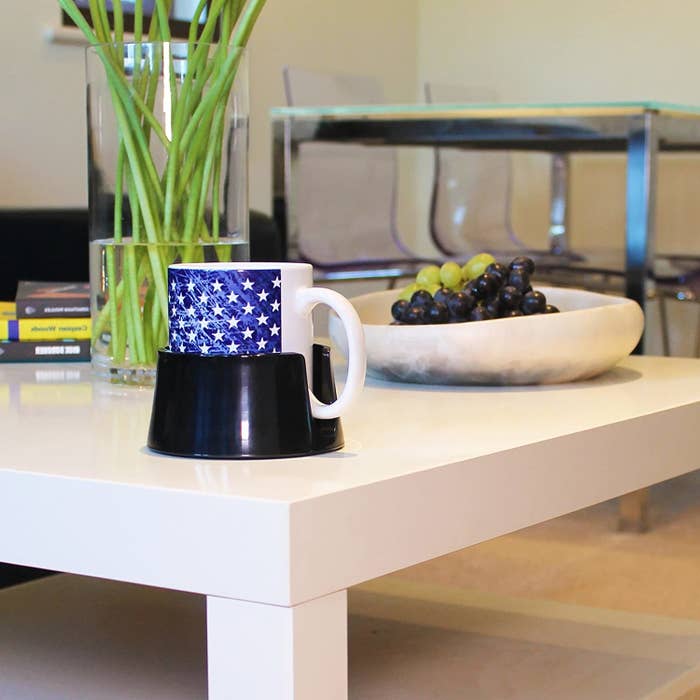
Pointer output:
260, 652
642, 149
634, 511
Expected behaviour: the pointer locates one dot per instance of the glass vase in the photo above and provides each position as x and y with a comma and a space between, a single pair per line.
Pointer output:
167, 182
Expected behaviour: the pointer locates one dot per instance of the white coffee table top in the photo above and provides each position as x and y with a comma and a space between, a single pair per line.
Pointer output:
426, 470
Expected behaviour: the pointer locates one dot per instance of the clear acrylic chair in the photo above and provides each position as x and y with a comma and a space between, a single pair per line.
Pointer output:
470, 202
345, 195
471, 212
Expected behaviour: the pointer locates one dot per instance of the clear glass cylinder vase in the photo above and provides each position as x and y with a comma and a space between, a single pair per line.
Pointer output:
167, 182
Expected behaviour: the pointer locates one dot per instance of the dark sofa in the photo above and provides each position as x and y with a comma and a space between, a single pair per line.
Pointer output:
52, 245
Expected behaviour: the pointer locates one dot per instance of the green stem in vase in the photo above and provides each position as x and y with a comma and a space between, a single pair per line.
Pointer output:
111, 303
169, 173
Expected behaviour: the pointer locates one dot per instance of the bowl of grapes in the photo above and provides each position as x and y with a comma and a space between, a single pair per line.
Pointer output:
483, 323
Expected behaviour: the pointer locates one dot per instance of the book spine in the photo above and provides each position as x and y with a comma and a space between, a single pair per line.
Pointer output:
7, 310
45, 351
44, 308
45, 329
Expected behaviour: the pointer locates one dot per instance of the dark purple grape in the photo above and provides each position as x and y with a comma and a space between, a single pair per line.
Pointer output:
415, 315
487, 285
533, 303
522, 262
459, 305
470, 288
510, 297
442, 295
398, 309
549, 309
512, 313
519, 278
421, 298
498, 270
480, 313
438, 313
493, 306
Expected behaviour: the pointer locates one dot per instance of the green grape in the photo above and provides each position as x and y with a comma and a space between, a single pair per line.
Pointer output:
450, 274
407, 292
432, 288
428, 275
476, 266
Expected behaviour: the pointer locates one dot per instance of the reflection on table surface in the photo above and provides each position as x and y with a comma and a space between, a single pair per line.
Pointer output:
61, 385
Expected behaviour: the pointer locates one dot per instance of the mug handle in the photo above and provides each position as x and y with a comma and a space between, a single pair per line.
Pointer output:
357, 359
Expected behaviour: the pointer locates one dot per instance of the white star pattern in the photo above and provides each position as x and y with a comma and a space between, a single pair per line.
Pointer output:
225, 312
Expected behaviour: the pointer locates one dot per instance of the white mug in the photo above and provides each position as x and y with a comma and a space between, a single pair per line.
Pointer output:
259, 307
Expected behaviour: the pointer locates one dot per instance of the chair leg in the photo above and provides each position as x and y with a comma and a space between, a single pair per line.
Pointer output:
663, 320
633, 515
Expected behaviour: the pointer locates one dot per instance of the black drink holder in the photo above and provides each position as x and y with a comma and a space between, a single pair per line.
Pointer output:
242, 406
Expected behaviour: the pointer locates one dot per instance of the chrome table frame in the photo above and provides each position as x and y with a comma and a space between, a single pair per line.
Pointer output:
640, 129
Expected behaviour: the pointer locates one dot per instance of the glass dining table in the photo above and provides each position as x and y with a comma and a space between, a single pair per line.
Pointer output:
640, 129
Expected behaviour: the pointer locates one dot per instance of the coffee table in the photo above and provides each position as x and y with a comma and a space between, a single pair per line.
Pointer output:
274, 545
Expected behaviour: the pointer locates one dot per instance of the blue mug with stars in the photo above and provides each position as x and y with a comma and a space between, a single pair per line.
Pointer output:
249, 308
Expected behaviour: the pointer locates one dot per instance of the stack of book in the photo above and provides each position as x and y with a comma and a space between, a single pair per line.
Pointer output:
48, 321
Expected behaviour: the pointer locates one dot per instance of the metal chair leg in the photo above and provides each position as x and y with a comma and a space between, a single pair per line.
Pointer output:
633, 513
663, 321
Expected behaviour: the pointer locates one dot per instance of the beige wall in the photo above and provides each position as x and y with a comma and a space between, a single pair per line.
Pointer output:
548, 50
42, 122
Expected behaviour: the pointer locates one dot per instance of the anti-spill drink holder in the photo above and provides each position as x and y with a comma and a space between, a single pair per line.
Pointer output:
242, 406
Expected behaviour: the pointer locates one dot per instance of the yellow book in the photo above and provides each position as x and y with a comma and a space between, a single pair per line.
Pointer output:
45, 329
8, 309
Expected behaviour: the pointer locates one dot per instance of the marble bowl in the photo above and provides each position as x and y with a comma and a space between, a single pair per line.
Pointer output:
592, 333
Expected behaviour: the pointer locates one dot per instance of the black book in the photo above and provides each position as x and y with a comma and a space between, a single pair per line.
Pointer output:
44, 351
52, 299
